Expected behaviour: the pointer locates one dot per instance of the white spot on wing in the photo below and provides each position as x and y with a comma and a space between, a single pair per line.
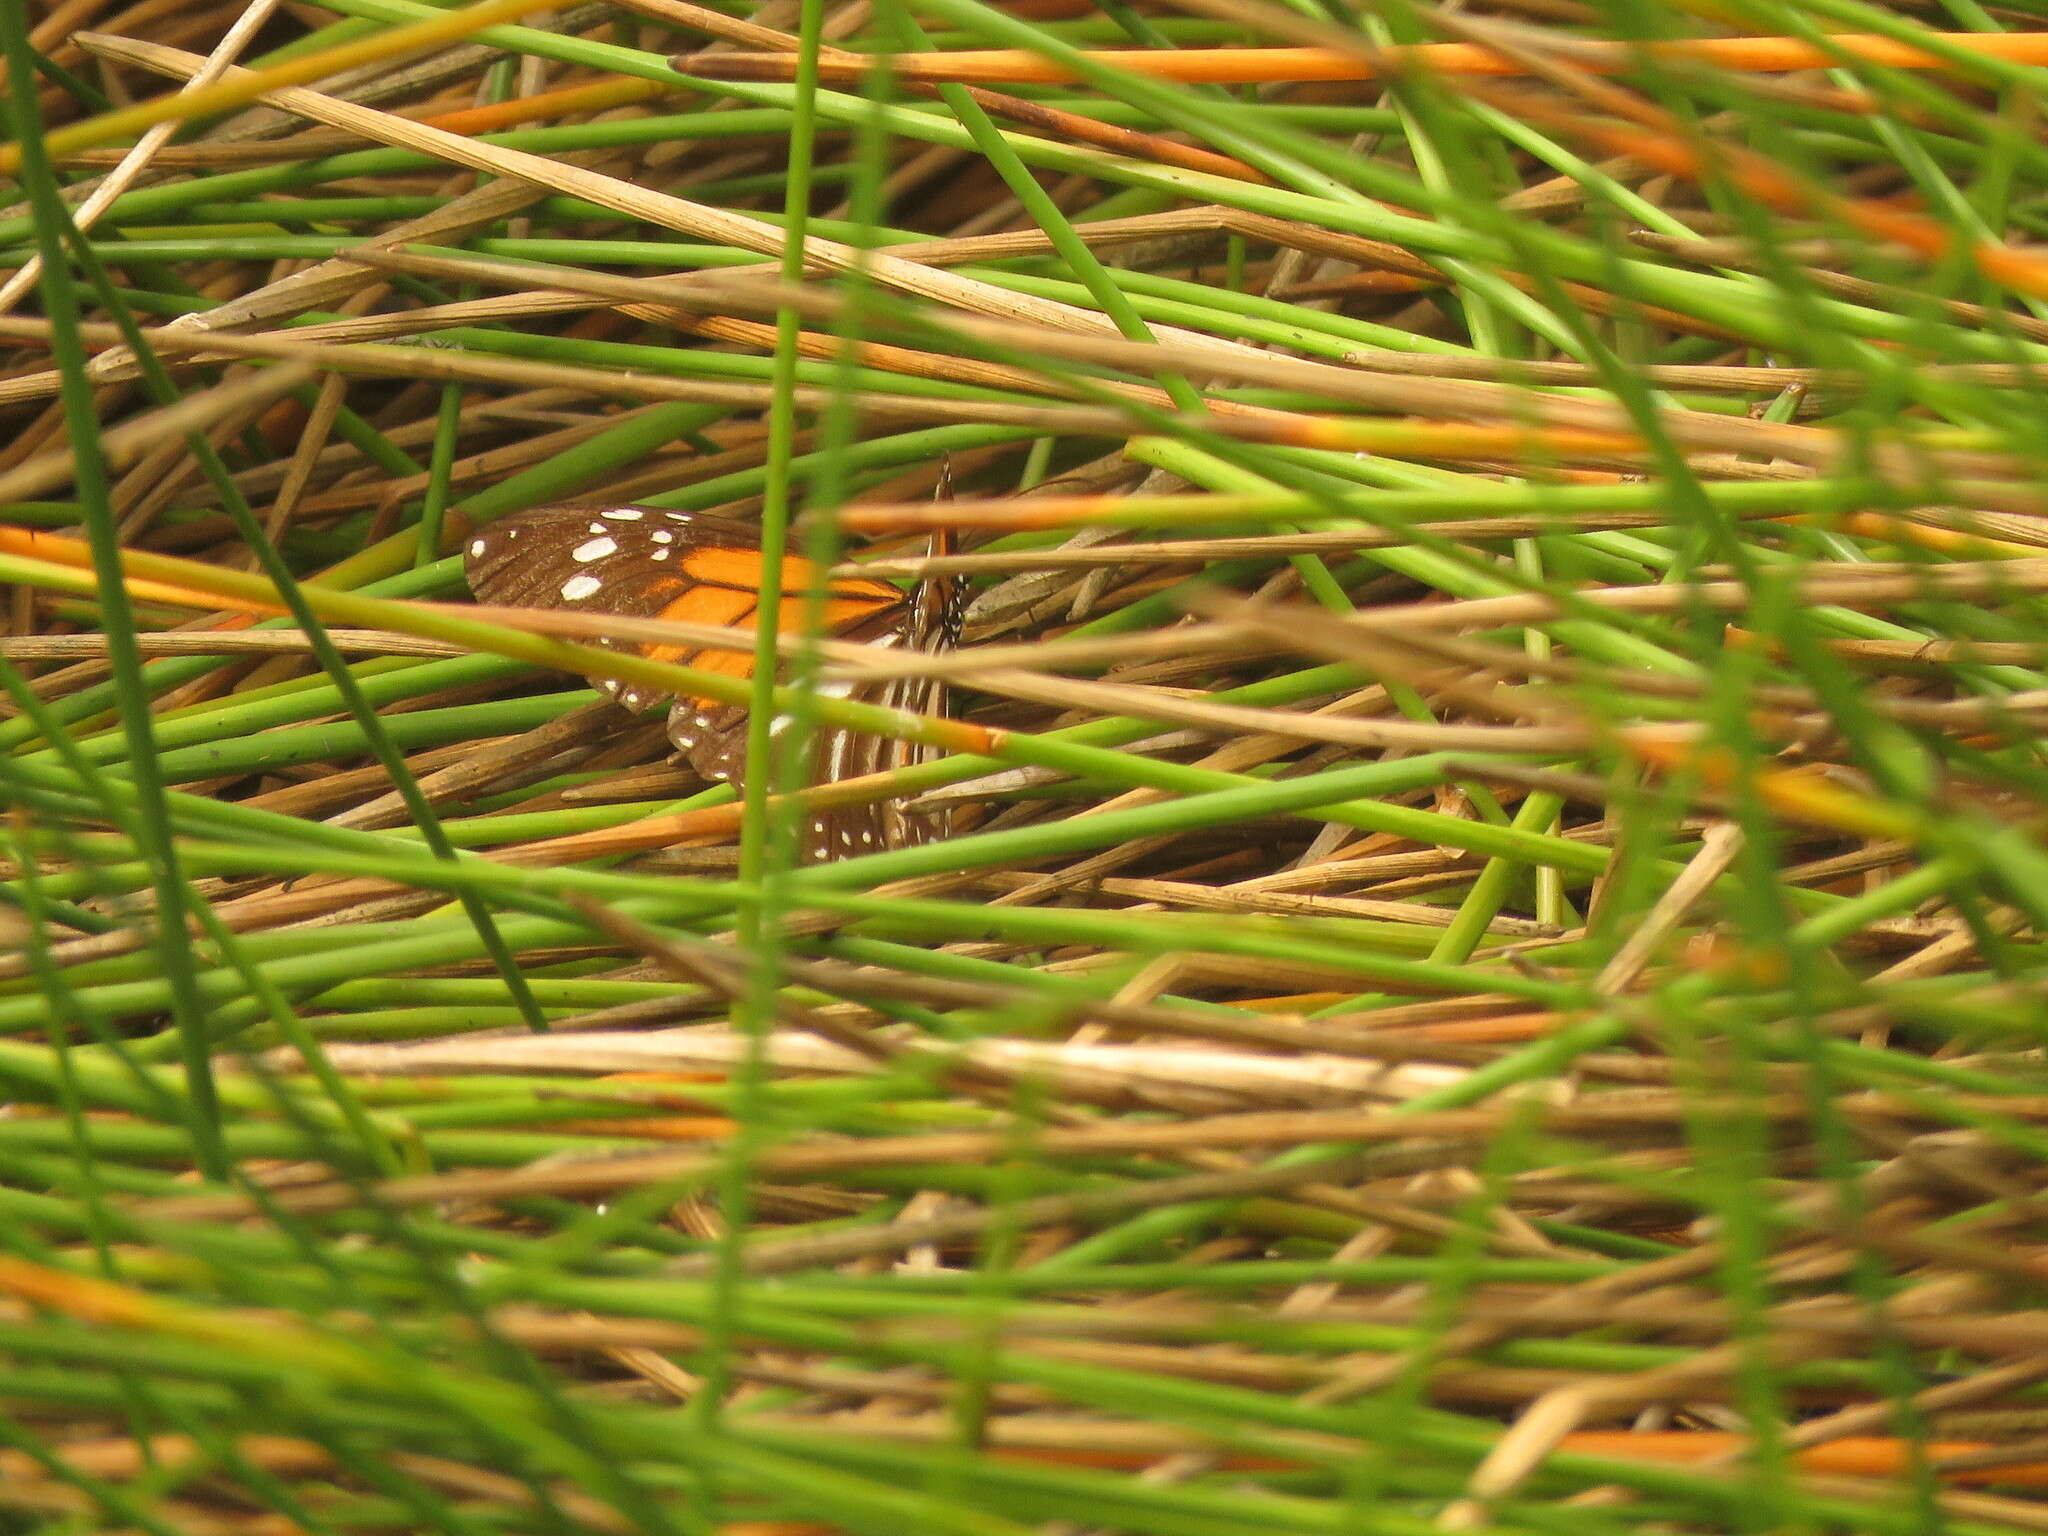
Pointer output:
476, 547
576, 588
624, 514
594, 549
662, 536
660, 554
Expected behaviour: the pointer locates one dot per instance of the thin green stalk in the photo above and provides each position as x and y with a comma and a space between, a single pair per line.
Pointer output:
94, 491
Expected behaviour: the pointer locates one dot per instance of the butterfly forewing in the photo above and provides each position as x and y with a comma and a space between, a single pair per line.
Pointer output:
692, 567
652, 563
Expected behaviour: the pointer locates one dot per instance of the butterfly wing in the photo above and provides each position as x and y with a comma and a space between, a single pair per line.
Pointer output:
932, 625
637, 562
654, 563
929, 622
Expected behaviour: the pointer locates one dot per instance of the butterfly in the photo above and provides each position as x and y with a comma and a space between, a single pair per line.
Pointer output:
696, 567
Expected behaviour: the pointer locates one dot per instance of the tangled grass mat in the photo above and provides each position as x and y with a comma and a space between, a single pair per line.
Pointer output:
1424, 629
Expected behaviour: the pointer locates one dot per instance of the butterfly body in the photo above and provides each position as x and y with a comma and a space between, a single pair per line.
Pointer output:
694, 567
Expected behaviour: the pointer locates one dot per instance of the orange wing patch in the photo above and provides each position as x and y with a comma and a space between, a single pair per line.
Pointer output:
726, 591
741, 569
704, 605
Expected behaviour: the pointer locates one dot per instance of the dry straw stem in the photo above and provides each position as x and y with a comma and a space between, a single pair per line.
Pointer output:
266, 642
1154, 1074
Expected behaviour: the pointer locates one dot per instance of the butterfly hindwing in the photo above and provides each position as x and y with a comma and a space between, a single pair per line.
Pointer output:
712, 740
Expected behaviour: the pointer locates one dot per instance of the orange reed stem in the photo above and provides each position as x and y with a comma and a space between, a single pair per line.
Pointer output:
596, 96
1852, 1456
1250, 66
